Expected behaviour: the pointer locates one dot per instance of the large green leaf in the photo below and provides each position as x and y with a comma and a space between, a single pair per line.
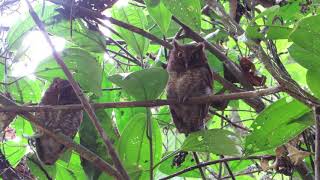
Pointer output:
305, 57
277, 124
187, 11
160, 14
82, 64
218, 141
25, 90
307, 34
134, 16
18, 30
33, 164
90, 139
167, 168
87, 39
313, 76
134, 146
142, 85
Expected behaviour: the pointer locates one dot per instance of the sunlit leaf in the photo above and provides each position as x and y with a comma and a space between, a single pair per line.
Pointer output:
217, 141
81, 36
81, 64
307, 34
277, 124
134, 16
187, 11
134, 146
160, 14
305, 57
17, 32
313, 76
142, 85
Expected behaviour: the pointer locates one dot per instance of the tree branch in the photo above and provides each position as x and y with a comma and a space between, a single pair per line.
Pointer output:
96, 14
289, 85
84, 101
61, 138
150, 103
214, 162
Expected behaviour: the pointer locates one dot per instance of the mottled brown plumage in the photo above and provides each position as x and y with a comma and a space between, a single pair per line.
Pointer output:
189, 76
67, 122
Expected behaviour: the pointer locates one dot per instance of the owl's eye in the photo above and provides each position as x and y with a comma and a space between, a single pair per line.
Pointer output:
179, 54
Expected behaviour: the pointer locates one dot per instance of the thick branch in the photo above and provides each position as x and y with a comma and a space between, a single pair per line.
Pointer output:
232, 67
151, 103
290, 86
84, 101
61, 138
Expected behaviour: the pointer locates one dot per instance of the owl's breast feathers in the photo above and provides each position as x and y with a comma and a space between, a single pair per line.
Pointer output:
191, 83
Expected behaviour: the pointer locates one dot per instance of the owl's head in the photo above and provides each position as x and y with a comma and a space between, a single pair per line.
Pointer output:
184, 57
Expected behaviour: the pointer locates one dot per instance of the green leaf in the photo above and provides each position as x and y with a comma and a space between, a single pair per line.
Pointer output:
305, 57
277, 124
160, 14
167, 168
187, 11
134, 172
132, 15
36, 170
133, 147
17, 31
25, 90
89, 40
142, 85
217, 141
90, 139
82, 64
307, 34
313, 76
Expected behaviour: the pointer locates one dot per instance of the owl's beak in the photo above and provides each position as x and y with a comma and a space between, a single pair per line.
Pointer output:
186, 65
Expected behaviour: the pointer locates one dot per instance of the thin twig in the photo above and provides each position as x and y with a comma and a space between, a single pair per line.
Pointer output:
130, 27
149, 103
84, 101
195, 155
214, 162
229, 121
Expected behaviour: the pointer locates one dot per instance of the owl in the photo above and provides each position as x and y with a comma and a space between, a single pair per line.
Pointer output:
189, 76
67, 122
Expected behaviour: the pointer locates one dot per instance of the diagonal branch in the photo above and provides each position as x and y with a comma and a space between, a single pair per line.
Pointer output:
150, 103
232, 67
84, 101
289, 85
61, 138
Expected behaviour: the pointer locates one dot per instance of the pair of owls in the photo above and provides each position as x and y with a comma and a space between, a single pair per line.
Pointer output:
189, 76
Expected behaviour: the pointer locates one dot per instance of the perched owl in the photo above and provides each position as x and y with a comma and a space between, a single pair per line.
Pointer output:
67, 122
189, 76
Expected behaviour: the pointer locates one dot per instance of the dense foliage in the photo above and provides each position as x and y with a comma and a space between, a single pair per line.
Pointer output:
117, 52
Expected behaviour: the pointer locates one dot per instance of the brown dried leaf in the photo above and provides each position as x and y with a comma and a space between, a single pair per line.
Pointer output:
296, 156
